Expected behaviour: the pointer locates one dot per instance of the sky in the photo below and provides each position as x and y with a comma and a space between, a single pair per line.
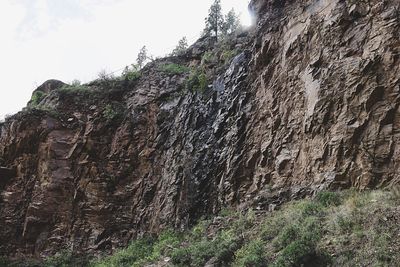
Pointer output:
76, 39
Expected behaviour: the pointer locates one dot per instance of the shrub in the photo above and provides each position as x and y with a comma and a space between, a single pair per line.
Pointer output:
181, 256
244, 222
166, 242
137, 251
196, 254
74, 89
197, 81
225, 244
296, 253
76, 83
287, 235
173, 69
207, 58
36, 98
131, 73
111, 112
251, 255
298, 243
201, 252
64, 258
200, 249
327, 198
227, 55
144, 250
311, 209
199, 230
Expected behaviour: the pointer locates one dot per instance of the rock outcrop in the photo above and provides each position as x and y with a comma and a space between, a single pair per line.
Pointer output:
311, 102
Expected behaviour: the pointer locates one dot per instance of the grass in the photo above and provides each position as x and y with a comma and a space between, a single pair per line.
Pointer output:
37, 97
332, 229
131, 73
74, 89
197, 81
173, 69
141, 251
251, 254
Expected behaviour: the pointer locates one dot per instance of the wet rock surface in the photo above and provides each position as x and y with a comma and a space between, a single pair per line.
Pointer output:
311, 102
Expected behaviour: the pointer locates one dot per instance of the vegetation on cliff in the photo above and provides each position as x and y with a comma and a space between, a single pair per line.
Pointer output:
346, 228
333, 229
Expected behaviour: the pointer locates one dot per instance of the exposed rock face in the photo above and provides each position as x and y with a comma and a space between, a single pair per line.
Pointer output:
312, 102
50, 85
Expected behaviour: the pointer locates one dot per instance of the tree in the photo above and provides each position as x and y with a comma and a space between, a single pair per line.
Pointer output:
180, 48
142, 57
232, 23
215, 20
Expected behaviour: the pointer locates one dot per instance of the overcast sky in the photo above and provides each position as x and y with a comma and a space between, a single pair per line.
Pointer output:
75, 39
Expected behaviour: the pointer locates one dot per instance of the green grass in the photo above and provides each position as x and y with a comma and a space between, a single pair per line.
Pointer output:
332, 229
251, 255
74, 89
174, 69
197, 81
141, 251
37, 97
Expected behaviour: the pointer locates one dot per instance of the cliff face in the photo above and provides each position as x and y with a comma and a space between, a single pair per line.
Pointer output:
311, 102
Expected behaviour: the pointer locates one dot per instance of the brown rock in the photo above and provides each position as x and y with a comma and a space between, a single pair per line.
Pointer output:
312, 103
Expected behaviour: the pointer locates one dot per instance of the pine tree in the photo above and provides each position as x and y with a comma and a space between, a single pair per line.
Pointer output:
215, 20
232, 23
180, 48
142, 57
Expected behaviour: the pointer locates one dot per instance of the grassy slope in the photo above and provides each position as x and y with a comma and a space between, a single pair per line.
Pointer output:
333, 229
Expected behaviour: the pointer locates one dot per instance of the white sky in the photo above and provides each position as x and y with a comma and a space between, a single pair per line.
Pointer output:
75, 39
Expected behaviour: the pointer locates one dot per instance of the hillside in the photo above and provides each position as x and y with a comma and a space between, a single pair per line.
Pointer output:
307, 101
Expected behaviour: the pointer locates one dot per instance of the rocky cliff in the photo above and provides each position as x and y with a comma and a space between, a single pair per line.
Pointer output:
310, 101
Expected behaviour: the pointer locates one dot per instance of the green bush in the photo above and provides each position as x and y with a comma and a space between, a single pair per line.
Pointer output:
131, 256
227, 55
287, 235
311, 209
113, 111
36, 98
225, 245
74, 89
181, 256
131, 73
109, 113
251, 255
361, 231
64, 258
76, 83
199, 231
142, 251
346, 224
298, 243
197, 81
166, 242
200, 249
208, 57
173, 69
297, 253
327, 198
196, 254
201, 252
